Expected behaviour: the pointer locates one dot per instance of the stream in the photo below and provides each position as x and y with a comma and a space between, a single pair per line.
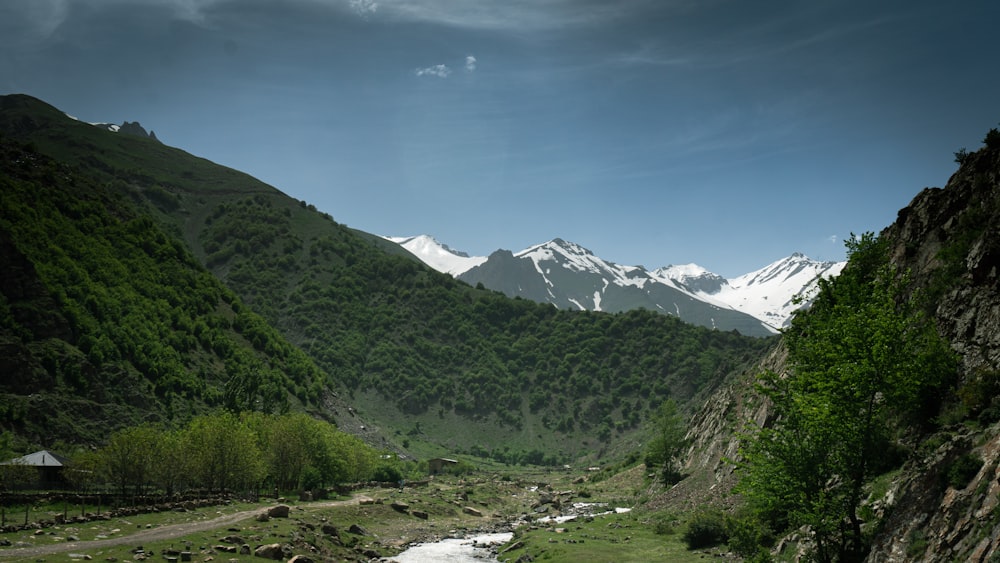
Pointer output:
475, 549
482, 548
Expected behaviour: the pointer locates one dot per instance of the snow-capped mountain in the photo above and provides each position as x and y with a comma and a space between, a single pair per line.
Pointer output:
572, 277
770, 293
438, 255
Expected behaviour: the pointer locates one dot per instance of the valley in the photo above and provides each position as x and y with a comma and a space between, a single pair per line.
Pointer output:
151, 293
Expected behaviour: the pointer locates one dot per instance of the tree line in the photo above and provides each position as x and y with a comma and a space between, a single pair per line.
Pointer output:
226, 452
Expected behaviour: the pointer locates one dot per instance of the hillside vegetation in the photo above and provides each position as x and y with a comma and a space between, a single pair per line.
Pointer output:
163, 285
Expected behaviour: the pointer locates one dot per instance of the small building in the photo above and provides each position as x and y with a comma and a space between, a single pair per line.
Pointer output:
436, 465
49, 467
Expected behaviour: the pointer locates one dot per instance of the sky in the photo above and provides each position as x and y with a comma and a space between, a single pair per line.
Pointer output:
728, 133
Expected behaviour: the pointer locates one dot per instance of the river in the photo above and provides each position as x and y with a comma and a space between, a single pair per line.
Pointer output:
475, 549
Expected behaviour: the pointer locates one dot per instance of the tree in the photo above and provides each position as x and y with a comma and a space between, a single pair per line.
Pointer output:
668, 443
129, 456
173, 467
860, 360
224, 453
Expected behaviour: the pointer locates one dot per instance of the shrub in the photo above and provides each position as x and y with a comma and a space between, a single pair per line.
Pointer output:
992, 139
664, 523
311, 478
963, 469
749, 537
706, 528
916, 544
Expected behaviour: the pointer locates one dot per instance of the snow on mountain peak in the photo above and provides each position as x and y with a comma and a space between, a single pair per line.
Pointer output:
767, 294
770, 293
437, 255
678, 271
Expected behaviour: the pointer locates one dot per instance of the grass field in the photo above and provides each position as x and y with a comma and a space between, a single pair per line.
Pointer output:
381, 523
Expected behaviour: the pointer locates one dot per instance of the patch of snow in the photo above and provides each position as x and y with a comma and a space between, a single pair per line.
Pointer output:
437, 255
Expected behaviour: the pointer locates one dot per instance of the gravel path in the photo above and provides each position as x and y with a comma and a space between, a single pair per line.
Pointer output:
165, 532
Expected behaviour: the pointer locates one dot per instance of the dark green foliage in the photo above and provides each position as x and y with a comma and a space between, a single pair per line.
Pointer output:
963, 469
864, 361
387, 473
705, 529
108, 308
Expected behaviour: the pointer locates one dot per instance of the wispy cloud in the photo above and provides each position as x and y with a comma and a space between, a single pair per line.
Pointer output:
364, 7
833, 239
515, 14
470, 63
440, 71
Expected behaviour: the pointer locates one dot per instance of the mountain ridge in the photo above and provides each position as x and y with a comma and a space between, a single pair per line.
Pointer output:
770, 294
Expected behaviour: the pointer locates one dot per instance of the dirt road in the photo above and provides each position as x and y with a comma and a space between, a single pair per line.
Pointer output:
165, 532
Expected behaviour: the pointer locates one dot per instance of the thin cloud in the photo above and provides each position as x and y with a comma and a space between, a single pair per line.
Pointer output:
470, 63
440, 71
364, 7
515, 14
833, 239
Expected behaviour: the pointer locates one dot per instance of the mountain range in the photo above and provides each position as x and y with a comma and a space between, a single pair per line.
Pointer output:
570, 276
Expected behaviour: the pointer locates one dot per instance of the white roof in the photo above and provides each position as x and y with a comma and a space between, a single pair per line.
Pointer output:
43, 458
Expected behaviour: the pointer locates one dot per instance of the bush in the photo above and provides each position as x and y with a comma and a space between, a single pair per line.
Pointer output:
992, 139
386, 473
665, 523
705, 529
749, 538
963, 469
311, 478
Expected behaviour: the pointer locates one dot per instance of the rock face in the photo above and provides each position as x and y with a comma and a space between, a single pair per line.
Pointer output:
949, 239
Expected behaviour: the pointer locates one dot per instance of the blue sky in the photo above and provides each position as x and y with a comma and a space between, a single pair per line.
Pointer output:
730, 133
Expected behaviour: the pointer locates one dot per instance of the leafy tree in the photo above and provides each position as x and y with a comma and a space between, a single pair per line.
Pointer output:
83, 470
173, 467
224, 453
861, 361
129, 457
668, 443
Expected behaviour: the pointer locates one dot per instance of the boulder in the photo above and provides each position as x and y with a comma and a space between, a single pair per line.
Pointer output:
279, 511
472, 511
270, 551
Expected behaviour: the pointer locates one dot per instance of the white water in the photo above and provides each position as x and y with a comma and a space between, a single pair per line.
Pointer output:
455, 550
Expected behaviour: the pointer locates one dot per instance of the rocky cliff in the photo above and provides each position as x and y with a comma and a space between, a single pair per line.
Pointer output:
949, 239
942, 504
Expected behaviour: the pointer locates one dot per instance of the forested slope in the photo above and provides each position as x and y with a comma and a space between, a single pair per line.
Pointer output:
405, 344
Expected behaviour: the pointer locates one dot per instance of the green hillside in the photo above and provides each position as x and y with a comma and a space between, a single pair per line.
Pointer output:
145, 258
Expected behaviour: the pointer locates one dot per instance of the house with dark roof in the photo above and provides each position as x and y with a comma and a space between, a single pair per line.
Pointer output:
49, 466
